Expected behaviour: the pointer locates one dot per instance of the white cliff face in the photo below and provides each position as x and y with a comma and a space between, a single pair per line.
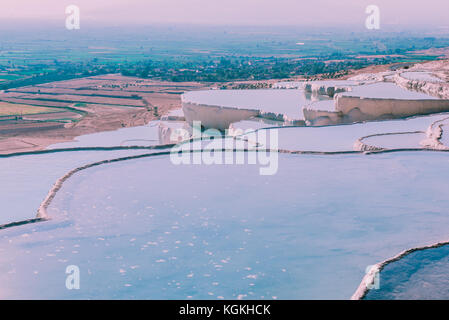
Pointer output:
215, 116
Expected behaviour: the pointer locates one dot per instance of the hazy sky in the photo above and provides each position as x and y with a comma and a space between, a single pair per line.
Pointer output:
240, 12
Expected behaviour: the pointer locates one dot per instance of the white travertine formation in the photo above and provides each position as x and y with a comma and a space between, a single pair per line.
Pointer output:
322, 118
437, 88
376, 108
321, 87
330, 88
376, 101
174, 115
215, 116
219, 108
169, 131
434, 134
364, 97
372, 77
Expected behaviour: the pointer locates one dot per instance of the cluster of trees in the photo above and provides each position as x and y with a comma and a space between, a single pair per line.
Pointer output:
244, 68
222, 69
57, 71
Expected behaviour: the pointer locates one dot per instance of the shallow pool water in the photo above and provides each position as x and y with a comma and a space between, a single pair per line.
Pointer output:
420, 275
26, 180
343, 137
152, 230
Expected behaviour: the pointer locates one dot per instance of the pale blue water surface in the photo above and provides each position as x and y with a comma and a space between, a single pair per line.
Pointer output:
149, 229
421, 275
26, 180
